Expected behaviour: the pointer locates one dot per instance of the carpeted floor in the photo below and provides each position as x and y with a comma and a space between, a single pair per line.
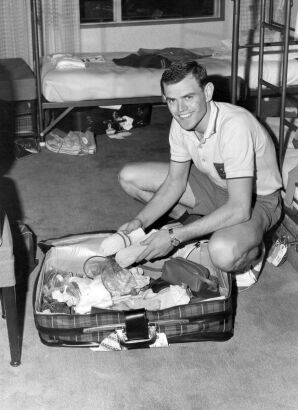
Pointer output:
58, 195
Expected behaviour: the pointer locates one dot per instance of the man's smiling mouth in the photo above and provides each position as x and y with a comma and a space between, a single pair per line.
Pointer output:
184, 115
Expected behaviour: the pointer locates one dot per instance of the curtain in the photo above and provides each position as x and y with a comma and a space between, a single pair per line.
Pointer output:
250, 13
61, 26
250, 19
15, 30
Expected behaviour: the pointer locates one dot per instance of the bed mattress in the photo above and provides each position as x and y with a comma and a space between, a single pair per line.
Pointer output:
101, 78
98, 80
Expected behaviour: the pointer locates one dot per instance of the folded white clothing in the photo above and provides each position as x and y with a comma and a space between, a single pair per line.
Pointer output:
120, 240
127, 124
95, 294
127, 256
65, 63
58, 56
171, 296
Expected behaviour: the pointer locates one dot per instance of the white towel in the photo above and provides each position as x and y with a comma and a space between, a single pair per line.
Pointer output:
66, 63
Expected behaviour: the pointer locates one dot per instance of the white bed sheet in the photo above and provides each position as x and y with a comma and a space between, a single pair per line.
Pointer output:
108, 80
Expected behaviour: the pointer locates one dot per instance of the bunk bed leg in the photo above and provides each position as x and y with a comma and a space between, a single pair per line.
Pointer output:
235, 46
36, 60
261, 56
284, 82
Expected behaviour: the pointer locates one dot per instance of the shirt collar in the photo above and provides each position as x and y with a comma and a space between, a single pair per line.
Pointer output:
211, 127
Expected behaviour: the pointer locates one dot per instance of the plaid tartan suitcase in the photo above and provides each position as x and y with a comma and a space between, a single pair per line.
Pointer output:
207, 320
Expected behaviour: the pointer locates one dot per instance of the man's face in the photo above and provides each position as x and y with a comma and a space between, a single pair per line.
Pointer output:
187, 102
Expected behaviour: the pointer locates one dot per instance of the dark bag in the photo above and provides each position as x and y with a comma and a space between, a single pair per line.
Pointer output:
180, 271
200, 320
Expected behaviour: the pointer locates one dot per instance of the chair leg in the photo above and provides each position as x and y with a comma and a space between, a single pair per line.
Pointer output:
10, 307
2, 306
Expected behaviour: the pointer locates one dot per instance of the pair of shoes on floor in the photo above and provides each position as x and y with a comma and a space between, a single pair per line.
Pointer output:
247, 279
71, 143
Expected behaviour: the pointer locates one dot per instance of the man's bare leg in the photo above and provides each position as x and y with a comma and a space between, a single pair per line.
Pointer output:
141, 180
235, 248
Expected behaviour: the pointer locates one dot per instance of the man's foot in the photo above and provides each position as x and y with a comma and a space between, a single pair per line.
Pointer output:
245, 280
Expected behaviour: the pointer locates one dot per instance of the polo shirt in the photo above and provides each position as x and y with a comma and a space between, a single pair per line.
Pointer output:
234, 145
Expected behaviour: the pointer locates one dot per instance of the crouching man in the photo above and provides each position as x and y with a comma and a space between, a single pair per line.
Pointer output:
223, 166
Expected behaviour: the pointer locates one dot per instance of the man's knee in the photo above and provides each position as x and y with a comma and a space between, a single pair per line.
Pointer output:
230, 254
127, 175
223, 252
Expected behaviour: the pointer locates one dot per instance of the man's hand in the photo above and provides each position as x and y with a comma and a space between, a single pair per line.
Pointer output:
130, 226
158, 245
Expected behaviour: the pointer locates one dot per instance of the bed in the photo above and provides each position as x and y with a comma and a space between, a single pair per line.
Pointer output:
100, 81
101, 78
70, 81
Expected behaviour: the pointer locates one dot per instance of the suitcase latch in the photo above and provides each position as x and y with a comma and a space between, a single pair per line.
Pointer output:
137, 332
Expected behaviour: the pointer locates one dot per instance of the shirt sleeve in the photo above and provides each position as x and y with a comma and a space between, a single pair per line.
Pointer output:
179, 152
237, 146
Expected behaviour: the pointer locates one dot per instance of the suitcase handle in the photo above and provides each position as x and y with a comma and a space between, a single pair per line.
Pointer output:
87, 344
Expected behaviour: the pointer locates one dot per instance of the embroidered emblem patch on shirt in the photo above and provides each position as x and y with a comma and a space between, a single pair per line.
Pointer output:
220, 168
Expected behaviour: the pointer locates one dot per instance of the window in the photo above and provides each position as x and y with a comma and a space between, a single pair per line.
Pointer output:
126, 12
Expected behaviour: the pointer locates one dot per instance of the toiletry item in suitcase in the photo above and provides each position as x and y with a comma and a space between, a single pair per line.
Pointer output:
199, 320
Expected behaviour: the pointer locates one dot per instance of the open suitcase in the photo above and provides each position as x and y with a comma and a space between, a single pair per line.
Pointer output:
200, 320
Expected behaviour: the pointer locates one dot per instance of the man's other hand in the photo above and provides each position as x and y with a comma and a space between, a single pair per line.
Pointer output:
158, 246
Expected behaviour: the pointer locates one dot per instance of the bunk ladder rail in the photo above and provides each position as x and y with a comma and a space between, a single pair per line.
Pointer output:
282, 88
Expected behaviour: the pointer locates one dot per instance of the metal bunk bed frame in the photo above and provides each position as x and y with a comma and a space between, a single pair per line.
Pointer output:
265, 89
44, 123
287, 231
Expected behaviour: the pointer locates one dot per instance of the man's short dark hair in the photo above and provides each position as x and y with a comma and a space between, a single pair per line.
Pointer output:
176, 72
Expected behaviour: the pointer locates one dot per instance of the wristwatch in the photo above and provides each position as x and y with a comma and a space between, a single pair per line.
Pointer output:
174, 241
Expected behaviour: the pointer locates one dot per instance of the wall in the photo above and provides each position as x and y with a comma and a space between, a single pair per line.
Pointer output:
157, 36
167, 35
